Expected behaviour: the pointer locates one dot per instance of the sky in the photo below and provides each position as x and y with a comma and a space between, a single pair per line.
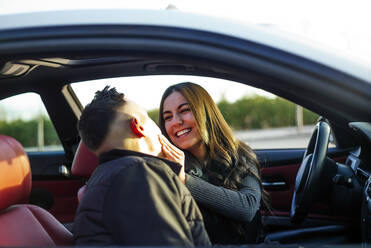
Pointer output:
139, 88
340, 24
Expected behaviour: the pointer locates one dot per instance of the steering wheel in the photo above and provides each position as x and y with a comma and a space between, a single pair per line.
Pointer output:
307, 185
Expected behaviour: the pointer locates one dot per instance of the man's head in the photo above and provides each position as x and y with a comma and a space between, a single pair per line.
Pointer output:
112, 122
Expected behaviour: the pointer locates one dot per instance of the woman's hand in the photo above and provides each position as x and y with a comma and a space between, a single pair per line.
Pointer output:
173, 153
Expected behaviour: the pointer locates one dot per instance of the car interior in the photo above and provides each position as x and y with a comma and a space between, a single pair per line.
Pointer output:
24, 224
319, 194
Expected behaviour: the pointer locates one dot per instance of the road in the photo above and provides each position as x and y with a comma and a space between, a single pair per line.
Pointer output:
287, 137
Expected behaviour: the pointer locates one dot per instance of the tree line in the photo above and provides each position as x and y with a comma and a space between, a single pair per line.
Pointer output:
26, 131
254, 112
257, 112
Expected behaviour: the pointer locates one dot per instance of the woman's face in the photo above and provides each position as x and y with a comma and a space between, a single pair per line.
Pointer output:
180, 123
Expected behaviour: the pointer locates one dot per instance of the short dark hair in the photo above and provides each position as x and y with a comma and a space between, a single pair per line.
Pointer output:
98, 115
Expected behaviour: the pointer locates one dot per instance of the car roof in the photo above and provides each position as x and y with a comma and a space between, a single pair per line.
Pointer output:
268, 36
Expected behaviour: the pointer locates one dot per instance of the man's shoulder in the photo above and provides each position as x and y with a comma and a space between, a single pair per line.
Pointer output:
129, 161
138, 170
132, 162
121, 163
153, 164
105, 172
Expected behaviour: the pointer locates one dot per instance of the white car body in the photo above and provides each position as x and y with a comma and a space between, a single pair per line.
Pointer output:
311, 50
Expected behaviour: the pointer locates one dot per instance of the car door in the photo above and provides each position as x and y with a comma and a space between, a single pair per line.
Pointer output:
53, 188
279, 169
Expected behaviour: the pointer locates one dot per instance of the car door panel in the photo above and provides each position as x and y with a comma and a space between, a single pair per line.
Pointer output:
59, 197
52, 186
279, 169
46, 163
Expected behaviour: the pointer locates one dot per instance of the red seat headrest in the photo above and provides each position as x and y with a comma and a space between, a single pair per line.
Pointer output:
15, 172
84, 162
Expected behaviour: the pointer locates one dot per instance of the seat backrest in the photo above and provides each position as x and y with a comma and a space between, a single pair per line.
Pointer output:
23, 224
83, 165
84, 162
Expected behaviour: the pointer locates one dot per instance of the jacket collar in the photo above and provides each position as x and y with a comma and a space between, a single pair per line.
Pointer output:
116, 153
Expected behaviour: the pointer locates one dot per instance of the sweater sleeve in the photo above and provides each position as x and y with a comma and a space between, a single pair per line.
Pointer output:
240, 205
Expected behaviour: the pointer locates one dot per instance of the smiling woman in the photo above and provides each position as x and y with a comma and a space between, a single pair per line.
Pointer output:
223, 173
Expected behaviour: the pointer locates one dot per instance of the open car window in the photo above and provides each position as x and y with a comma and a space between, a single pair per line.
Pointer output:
257, 117
24, 117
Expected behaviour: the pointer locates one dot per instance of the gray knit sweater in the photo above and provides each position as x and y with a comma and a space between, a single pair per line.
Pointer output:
240, 205
230, 216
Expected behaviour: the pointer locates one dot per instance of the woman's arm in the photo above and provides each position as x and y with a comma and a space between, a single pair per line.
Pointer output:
241, 205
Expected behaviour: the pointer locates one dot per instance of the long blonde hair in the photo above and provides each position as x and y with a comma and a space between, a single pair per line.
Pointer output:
237, 158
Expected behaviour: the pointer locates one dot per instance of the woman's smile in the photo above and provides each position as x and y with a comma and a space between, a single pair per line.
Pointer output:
183, 132
180, 123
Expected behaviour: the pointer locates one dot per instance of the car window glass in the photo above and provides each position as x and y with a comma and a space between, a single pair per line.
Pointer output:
257, 117
24, 117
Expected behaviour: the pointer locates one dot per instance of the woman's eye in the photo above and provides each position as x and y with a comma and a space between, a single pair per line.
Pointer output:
166, 118
185, 110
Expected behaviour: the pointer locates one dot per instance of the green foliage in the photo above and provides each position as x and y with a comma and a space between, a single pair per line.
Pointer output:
153, 114
258, 112
309, 117
26, 131
50, 135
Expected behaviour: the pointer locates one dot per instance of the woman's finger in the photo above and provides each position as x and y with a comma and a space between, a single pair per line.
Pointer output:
169, 152
166, 142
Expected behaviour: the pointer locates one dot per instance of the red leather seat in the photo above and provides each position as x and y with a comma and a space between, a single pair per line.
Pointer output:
83, 165
23, 224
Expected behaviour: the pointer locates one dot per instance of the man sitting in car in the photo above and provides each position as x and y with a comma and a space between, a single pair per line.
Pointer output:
134, 197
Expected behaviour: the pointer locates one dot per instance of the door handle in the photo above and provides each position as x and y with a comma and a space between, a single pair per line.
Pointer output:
63, 170
275, 185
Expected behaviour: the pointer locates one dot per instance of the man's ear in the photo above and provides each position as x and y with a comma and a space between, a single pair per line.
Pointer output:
137, 127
